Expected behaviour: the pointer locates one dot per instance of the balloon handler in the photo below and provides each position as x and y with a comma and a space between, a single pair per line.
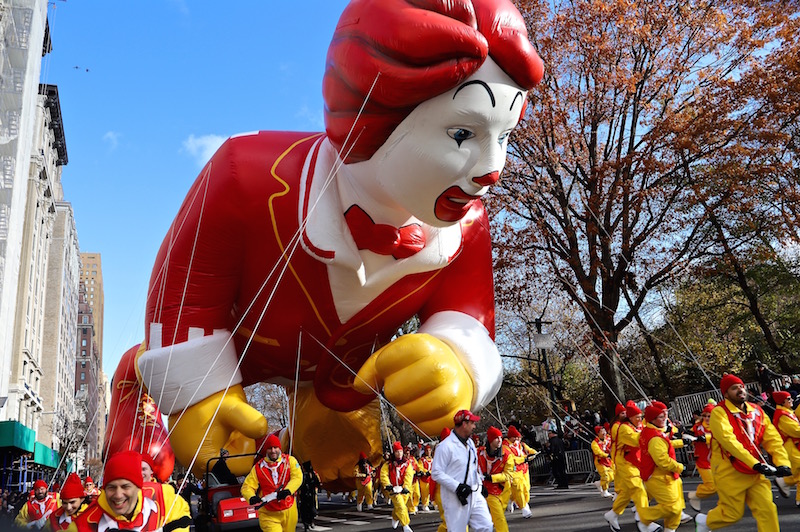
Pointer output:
271, 485
397, 476
297, 256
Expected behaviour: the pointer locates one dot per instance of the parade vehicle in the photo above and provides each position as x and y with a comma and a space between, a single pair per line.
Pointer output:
222, 506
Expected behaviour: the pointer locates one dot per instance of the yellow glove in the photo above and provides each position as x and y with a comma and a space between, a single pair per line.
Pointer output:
422, 377
236, 427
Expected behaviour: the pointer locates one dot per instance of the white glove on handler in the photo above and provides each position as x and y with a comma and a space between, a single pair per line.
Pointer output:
397, 489
39, 523
269, 497
689, 437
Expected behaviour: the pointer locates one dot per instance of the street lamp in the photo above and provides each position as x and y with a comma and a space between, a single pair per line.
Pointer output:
543, 342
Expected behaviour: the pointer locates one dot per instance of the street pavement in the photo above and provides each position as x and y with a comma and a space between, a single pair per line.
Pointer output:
579, 508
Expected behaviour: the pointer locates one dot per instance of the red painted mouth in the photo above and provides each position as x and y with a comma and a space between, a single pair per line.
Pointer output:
453, 204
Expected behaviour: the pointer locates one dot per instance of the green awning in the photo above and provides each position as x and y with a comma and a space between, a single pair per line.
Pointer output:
15, 434
44, 455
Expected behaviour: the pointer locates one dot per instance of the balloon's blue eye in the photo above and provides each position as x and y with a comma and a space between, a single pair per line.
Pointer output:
460, 135
502, 138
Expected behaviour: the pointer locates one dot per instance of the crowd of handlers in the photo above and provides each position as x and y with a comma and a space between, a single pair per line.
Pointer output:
637, 453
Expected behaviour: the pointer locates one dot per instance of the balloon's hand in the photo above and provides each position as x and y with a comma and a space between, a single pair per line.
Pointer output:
235, 427
422, 377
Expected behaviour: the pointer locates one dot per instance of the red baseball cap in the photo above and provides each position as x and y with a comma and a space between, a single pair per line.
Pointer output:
464, 415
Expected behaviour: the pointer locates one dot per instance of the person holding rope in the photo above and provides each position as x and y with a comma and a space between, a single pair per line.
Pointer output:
740, 429
660, 471
785, 420
627, 481
601, 450
424, 463
35, 513
396, 478
520, 479
702, 455
496, 464
455, 470
126, 502
363, 473
271, 485
72, 503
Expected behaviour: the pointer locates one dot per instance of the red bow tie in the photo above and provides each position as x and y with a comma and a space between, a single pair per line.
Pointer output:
381, 238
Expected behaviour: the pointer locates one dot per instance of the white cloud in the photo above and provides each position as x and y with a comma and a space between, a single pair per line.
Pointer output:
203, 147
112, 138
314, 119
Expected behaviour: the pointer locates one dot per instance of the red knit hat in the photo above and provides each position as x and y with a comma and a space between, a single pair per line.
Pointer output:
272, 441
513, 432
728, 381
620, 408
708, 408
87, 480
493, 433
149, 459
124, 465
653, 410
444, 434
631, 409
73, 488
42, 484
607, 426
397, 446
780, 397
597, 429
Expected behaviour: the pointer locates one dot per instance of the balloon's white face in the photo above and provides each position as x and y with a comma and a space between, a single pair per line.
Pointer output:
444, 156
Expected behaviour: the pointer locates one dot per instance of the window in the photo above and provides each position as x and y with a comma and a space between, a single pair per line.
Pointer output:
83, 352
83, 375
83, 362
85, 320
83, 387
83, 342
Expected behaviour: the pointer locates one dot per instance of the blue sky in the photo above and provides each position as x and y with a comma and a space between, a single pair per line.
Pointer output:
147, 88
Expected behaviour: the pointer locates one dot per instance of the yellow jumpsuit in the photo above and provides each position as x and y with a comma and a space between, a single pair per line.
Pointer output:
606, 472
790, 429
399, 500
735, 489
281, 520
521, 479
413, 499
364, 490
424, 466
497, 503
707, 488
663, 486
627, 481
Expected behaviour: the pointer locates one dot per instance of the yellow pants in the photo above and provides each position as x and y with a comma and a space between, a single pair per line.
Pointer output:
629, 488
282, 521
364, 492
497, 507
424, 494
707, 488
437, 498
668, 493
736, 489
400, 508
413, 498
606, 475
794, 461
518, 494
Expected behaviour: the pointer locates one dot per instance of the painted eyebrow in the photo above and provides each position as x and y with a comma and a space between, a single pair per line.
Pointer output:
477, 82
518, 95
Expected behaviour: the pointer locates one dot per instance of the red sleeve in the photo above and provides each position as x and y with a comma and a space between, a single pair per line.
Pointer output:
468, 283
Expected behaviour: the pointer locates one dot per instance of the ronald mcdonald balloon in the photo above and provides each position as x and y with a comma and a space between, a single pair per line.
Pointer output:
296, 257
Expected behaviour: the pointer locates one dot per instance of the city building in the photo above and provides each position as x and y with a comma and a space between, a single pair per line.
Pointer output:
92, 277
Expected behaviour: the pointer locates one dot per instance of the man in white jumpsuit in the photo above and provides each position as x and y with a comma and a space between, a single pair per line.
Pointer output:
455, 469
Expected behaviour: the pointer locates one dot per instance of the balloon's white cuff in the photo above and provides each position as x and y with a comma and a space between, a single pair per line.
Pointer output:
190, 371
473, 346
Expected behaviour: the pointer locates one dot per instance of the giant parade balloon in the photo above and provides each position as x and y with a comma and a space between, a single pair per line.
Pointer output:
295, 257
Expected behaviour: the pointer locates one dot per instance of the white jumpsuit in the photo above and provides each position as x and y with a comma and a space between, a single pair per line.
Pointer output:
450, 463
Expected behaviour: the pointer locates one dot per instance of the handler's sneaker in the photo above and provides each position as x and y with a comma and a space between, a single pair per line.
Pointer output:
607, 494
597, 485
685, 518
700, 523
526, 512
652, 527
395, 522
783, 489
407, 528
359, 506
613, 520
694, 501
510, 508
369, 507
